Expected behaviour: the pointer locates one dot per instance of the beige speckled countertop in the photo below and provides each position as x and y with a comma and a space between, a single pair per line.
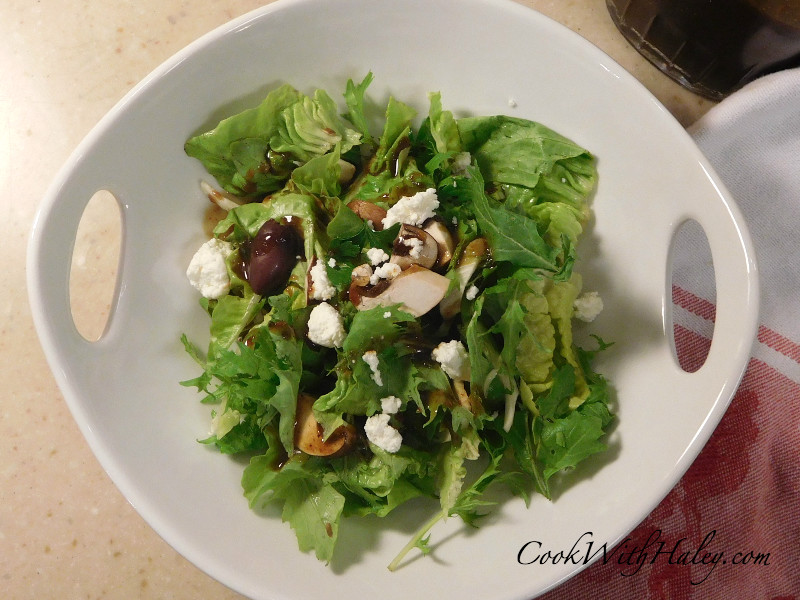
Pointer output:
65, 530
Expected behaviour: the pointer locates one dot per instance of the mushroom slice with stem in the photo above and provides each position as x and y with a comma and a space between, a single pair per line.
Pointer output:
413, 246
417, 289
308, 433
444, 240
468, 263
368, 211
361, 274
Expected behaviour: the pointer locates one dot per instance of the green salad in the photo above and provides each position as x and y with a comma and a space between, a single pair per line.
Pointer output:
391, 312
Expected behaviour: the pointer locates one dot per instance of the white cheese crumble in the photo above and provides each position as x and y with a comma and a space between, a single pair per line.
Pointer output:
415, 245
383, 435
454, 359
321, 288
460, 162
377, 256
412, 210
472, 292
385, 271
390, 405
387, 314
325, 326
207, 271
371, 358
512, 103
331, 262
588, 306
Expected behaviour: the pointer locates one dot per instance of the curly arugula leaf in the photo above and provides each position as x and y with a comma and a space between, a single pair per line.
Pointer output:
354, 96
311, 504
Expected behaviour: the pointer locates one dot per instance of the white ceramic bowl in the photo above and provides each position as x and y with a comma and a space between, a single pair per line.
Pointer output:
486, 57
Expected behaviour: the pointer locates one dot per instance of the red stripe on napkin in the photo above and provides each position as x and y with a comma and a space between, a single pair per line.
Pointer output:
779, 343
694, 304
692, 349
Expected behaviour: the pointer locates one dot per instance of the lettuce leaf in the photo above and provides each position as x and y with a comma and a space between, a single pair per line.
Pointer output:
259, 379
533, 171
512, 237
236, 151
354, 96
311, 504
392, 172
254, 152
395, 139
524, 153
312, 127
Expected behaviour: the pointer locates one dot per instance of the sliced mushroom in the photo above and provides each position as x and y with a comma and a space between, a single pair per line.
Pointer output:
221, 198
346, 171
369, 212
413, 246
308, 433
444, 240
361, 274
417, 289
468, 263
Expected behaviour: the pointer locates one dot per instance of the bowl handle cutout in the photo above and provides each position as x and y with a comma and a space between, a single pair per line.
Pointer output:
693, 289
95, 264
75, 260
711, 292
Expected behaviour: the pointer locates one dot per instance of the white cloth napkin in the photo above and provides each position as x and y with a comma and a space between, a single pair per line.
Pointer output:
753, 141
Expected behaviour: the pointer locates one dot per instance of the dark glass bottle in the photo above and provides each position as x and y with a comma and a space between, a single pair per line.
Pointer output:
712, 47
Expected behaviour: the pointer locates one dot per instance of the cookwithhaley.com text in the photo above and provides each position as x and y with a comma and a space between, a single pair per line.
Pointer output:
631, 556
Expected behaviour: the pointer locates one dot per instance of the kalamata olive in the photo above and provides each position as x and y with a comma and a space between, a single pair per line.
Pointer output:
273, 255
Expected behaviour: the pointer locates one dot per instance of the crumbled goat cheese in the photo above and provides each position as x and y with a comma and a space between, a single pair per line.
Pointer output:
385, 271
371, 358
331, 262
454, 359
390, 405
325, 326
460, 162
377, 256
387, 314
415, 245
412, 210
207, 271
321, 288
472, 292
512, 103
588, 306
383, 435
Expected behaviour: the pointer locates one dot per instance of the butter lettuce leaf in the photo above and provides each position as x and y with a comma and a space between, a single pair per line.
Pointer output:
254, 152
524, 153
237, 151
